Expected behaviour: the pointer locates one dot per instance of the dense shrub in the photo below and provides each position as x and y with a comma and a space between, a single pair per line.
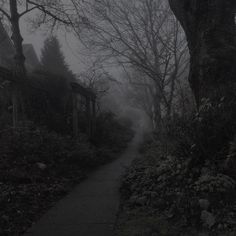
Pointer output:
184, 195
111, 132
38, 167
204, 135
5, 120
188, 171
48, 101
28, 145
24, 147
214, 184
31, 141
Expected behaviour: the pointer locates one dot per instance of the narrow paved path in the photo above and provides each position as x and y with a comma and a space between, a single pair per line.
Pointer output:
91, 209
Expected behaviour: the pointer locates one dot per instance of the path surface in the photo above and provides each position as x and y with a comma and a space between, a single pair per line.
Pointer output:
91, 209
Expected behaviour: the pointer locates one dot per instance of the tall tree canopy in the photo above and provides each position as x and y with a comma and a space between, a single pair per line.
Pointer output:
142, 34
53, 60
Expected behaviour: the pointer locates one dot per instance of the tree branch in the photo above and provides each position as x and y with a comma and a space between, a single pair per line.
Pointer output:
27, 11
43, 9
5, 14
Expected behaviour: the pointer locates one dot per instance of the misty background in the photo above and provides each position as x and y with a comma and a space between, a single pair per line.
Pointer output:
80, 59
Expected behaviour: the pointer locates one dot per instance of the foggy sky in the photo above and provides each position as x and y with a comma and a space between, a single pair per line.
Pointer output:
69, 43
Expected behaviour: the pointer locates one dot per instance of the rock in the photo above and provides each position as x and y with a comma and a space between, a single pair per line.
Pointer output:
205, 171
159, 171
231, 234
41, 166
190, 180
148, 231
220, 226
154, 194
204, 204
133, 199
151, 194
142, 200
134, 186
171, 158
203, 234
155, 234
208, 218
169, 214
160, 203
5, 218
147, 193
179, 177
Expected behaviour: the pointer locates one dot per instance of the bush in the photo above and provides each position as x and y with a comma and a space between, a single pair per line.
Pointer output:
184, 176
28, 145
215, 185
112, 133
204, 135
23, 148
32, 143
48, 101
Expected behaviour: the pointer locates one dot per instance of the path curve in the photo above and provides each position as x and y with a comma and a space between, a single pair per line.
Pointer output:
91, 208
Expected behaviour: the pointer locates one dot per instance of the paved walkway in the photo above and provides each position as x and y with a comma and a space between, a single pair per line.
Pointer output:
90, 210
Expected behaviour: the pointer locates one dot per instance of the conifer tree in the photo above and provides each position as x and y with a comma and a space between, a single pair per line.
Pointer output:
53, 60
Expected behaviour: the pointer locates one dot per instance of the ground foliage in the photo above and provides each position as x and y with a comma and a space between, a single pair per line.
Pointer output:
38, 167
112, 132
185, 183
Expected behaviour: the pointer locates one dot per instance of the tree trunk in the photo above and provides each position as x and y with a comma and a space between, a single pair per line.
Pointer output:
17, 39
211, 34
14, 106
93, 117
156, 112
89, 118
75, 116
20, 70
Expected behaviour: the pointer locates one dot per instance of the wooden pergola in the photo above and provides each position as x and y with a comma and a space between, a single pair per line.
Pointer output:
90, 98
77, 91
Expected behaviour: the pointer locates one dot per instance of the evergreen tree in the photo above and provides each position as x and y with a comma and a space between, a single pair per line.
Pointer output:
53, 60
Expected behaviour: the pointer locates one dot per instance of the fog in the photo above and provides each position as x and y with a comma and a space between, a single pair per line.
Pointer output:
79, 59
70, 45
126, 125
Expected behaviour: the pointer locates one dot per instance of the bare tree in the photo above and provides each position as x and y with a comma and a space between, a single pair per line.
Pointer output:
145, 35
49, 12
140, 93
97, 79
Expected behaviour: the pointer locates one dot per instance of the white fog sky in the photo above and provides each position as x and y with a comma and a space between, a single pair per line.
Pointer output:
69, 43
71, 47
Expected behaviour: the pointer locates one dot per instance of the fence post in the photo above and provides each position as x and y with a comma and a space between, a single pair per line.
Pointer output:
94, 116
14, 106
88, 111
75, 116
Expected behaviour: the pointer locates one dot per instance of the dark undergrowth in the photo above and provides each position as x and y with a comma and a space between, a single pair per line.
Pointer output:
38, 167
184, 183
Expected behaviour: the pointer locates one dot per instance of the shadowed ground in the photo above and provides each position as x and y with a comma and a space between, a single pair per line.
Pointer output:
91, 209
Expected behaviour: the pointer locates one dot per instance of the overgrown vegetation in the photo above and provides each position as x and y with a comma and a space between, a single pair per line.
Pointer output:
185, 182
38, 166
40, 159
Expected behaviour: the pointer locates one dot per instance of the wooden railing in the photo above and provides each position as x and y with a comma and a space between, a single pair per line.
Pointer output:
90, 98
77, 89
